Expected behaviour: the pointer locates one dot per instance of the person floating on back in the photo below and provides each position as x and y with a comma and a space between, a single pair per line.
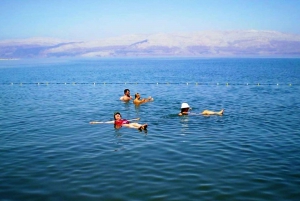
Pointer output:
126, 96
119, 122
138, 99
185, 111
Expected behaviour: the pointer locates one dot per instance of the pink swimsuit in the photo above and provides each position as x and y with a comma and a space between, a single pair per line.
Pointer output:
121, 122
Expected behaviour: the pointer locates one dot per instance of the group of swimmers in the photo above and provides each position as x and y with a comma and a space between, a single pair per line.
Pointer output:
137, 97
119, 122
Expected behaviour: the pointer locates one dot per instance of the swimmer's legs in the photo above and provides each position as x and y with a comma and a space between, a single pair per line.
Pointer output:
208, 112
221, 112
137, 126
132, 125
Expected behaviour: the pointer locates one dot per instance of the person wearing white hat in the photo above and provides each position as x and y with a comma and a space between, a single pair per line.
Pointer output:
185, 111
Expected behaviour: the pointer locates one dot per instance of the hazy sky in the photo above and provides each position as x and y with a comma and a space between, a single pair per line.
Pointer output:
96, 19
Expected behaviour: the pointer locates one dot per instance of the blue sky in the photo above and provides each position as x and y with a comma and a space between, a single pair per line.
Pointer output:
96, 19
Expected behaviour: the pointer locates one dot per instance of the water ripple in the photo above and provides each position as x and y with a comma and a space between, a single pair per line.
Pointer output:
49, 151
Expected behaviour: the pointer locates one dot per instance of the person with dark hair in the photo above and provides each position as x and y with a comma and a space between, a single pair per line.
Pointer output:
138, 99
126, 96
185, 111
119, 122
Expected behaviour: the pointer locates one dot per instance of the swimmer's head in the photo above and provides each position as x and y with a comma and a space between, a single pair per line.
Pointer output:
137, 95
117, 114
184, 105
127, 92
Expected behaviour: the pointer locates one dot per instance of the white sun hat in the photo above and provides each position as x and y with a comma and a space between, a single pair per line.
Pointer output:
185, 105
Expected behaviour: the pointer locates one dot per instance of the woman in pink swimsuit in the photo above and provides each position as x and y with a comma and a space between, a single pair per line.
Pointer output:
119, 122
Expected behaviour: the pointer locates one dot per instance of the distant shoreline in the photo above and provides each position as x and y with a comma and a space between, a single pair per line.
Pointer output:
2, 59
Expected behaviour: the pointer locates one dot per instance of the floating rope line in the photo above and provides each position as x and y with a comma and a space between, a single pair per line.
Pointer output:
147, 83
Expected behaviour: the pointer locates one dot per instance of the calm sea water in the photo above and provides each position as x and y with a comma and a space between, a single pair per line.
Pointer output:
49, 151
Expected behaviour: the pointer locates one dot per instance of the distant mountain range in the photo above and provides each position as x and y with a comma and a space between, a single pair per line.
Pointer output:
244, 43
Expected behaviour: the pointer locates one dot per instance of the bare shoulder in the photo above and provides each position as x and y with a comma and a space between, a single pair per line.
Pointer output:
125, 98
137, 101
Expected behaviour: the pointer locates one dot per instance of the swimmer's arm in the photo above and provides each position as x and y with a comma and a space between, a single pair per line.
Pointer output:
102, 122
144, 100
191, 113
148, 99
138, 101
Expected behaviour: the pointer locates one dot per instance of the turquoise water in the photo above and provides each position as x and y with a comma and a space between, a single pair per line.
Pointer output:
49, 151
